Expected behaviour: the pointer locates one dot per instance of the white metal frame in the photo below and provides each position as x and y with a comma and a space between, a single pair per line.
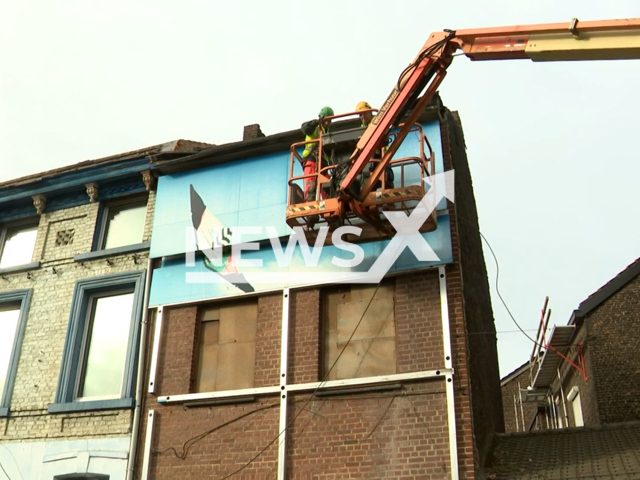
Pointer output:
148, 440
156, 348
284, 388
284, 396
448, 361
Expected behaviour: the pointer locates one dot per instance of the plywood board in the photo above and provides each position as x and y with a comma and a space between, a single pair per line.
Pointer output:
378, 321
367, 358
236, 366
238, 323
207, 368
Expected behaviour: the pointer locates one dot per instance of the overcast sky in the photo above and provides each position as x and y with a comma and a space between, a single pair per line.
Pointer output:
552, 147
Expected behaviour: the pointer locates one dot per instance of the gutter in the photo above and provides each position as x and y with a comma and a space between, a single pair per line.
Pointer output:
137, 412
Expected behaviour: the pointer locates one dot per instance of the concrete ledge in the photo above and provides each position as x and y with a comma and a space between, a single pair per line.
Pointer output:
119, 403
20, 268
111, 252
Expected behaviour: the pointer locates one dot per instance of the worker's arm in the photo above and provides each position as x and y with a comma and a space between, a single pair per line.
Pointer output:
309, 127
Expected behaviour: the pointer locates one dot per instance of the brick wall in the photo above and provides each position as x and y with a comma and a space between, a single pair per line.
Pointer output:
46, 328
613, 340
508, 391
400, 433
470, 304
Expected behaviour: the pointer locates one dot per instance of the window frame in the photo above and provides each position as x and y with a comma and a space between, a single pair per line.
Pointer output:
24, 298
102, 223
325, 368
5, 227
196, 371
85, 291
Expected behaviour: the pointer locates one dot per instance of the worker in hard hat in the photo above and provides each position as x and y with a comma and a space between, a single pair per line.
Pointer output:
313, 130
366, 115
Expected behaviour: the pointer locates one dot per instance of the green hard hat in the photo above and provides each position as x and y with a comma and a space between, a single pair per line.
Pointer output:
326, 112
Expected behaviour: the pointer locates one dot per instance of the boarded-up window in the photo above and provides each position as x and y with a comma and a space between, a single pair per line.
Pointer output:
372, 349
227, 347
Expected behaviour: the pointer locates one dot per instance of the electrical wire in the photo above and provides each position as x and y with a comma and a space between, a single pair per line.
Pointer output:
193, 440
504, 303
5, 472
312, 394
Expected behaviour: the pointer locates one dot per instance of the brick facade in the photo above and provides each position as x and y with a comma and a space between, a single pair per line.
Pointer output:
393, 432
606, 329
46, 329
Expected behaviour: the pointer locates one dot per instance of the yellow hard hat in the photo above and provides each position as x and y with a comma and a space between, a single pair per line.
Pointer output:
362, 106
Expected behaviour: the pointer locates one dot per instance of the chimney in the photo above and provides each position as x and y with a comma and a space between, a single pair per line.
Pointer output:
251, 132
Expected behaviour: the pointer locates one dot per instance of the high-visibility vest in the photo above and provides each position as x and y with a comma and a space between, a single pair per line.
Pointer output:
312, 147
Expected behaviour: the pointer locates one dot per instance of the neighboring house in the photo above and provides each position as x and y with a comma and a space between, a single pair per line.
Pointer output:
580, 420
73, 266
273, 379
602, 339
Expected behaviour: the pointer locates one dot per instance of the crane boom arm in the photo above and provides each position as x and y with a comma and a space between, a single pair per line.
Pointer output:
592, 40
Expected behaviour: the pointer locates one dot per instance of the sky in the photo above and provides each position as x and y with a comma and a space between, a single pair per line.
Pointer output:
550, 145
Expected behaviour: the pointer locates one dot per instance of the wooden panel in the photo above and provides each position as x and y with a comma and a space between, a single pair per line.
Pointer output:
236, 366
371, 351
367, 358
238, 322
210, 314
208, 368
377, 322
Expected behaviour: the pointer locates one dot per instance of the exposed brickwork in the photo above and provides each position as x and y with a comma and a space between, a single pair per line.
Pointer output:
393, 435
46, 330
613, 340
418, 323
251, 132
268, 336
304, 336
478, 400
529, 409
178, 350
221, 452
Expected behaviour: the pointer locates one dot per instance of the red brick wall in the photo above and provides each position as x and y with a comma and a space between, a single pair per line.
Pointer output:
613, 340
418, 323
475, 353
508, 391
304, 336
397, 434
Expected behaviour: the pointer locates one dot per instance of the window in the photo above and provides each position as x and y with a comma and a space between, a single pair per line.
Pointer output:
372, 349
576, 406
122, 223
99, 359
227, 347
13, 313
17, 242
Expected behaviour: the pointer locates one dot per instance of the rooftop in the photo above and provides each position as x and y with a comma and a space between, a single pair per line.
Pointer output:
603, 452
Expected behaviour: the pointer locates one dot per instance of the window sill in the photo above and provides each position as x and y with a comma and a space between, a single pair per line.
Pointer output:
111, 252
20, 268
119, 403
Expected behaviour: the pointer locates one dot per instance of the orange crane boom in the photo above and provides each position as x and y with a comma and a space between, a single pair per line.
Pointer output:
592, 40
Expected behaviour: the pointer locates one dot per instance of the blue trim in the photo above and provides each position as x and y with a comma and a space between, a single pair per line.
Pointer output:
69, 371
20, 268
24, 297
90, 406
4, 412
111, 252
58, 183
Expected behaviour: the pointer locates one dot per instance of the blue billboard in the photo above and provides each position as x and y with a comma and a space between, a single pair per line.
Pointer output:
202, 209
